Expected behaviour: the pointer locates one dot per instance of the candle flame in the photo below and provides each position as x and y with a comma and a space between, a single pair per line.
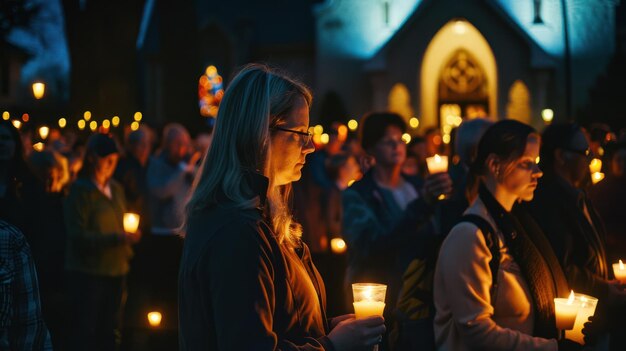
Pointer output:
570, 300
154, 318
621, 265
437, 158
367, 294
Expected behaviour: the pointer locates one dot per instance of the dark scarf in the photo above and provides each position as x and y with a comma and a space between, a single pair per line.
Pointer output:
537, 272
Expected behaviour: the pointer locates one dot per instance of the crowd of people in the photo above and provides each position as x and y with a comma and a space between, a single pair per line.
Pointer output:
472, 257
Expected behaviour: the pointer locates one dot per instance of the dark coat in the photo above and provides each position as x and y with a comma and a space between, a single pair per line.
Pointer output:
239, 289
579, 244
382, 239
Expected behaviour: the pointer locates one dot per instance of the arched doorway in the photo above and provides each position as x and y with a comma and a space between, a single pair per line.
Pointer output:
463, 83
458, 77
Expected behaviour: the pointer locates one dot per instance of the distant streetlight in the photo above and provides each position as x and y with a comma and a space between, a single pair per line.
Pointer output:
39, 90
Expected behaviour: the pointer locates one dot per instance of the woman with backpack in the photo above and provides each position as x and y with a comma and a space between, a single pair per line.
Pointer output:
496, 275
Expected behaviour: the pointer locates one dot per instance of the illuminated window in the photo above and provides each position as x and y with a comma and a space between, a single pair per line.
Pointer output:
399, 101
463, 91
518, 106
210, 92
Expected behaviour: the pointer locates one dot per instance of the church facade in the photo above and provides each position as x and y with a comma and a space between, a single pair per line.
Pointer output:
447, 60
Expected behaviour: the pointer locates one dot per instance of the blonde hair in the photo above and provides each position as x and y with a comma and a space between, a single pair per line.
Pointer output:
257, 99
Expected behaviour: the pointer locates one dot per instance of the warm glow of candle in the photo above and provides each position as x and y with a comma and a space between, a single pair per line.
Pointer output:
338, 246
619, 271
595, 165
131, 222
154, 318
43, 132
587, 307
597, 177
369, 299
437, 164
38, 90
566, 311
38, 146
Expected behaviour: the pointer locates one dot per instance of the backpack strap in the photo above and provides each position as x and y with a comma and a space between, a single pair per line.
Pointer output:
492, 243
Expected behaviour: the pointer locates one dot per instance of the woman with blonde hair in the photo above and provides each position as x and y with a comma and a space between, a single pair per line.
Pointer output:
246, 280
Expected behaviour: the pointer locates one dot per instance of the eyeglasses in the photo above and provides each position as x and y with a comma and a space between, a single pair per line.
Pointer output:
306, 136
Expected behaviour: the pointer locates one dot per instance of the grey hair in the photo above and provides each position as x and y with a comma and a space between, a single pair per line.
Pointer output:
257, 99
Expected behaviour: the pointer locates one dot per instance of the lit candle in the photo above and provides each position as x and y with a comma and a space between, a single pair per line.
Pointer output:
587, 309
43, 132
154, 318
131, 222
597, 177
619, 271
566, 311
437, 164
595, 165
369, 299
337, 245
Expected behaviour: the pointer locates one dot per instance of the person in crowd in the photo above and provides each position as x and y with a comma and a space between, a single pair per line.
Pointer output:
609, 199
21, 323
343, 169
388, 219
170, 173
244, 266
98, 249
310, 194
142, 280
16, 179
48, 236
468, 135
169, 178
131, 172
415, 163
569, 219
565, 214
495, 283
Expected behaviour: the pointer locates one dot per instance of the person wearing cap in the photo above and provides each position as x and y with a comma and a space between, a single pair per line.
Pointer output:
98, 249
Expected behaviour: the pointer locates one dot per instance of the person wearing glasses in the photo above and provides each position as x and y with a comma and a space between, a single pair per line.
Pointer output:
569, 219
247, 281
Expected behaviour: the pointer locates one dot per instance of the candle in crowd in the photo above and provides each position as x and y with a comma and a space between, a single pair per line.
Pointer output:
437, 164
566, 311
619, 271
597, 177
131, 222
369, 299
587, 308
338, 245
595, 165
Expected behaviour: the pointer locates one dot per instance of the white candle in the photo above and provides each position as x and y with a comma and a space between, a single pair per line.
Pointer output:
369, 299
364, 309
566, 311
131, 222
437, 164
619, 271
587, 309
